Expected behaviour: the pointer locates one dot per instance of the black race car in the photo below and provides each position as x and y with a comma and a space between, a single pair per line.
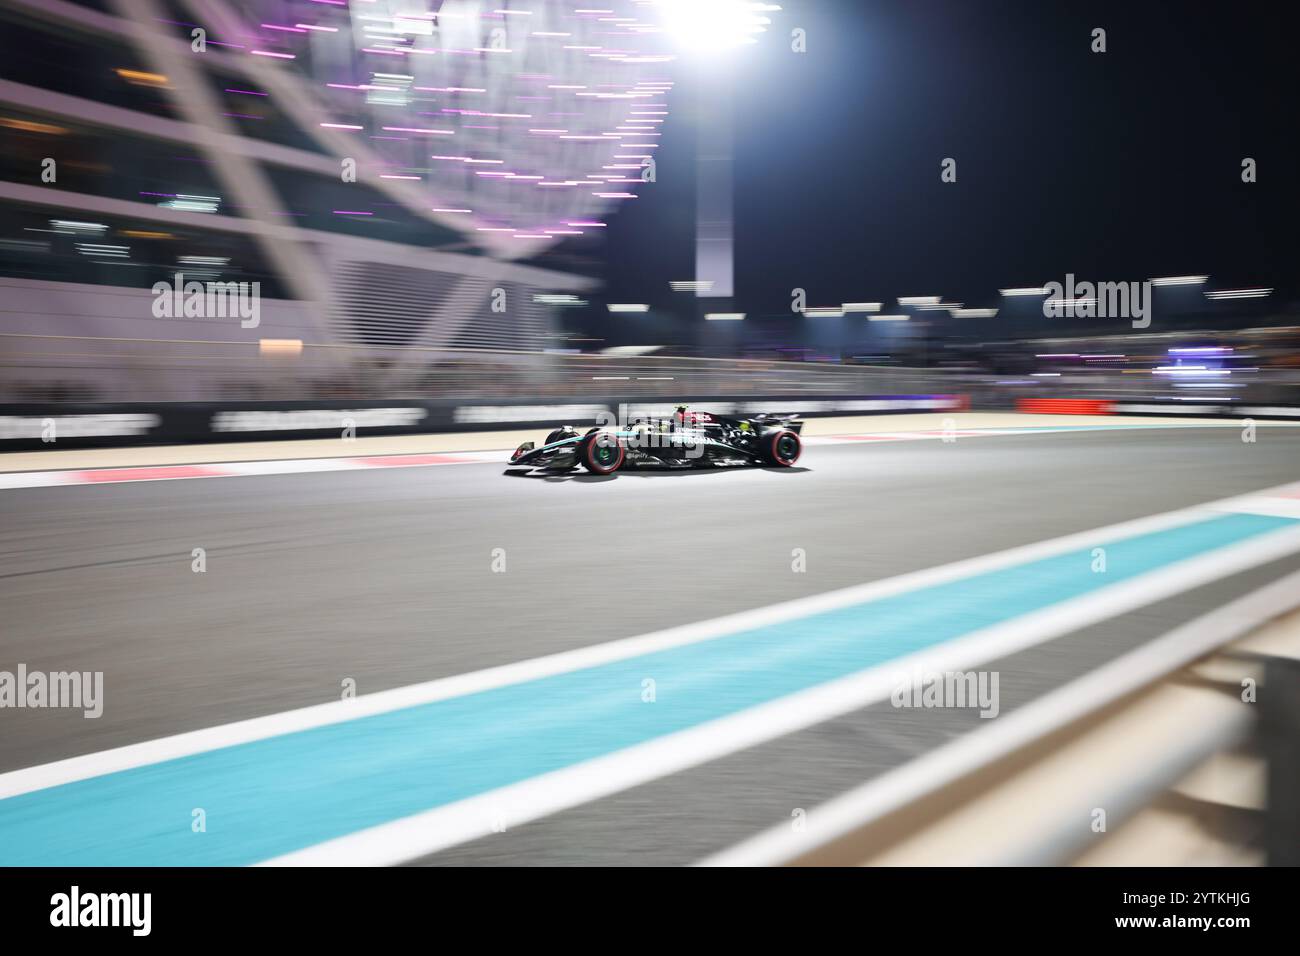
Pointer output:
687, 440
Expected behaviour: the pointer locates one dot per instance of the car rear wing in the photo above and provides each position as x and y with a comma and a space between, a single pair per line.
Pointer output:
788, 420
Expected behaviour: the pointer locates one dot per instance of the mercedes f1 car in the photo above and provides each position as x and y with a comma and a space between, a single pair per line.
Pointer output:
687, 440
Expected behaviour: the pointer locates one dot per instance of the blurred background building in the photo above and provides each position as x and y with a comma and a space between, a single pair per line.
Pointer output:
422, 192
392, 184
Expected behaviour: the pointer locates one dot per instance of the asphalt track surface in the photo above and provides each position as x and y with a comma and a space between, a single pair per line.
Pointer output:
386, 578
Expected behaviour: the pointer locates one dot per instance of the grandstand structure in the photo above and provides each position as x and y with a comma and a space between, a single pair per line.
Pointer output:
295, 145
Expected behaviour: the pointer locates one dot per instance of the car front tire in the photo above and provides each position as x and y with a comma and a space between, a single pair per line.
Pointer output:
602, 457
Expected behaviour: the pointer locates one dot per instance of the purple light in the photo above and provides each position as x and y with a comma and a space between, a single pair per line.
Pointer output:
413, 129
582, 159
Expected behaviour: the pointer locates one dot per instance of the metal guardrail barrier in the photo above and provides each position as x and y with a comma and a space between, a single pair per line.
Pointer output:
1279, 743
1118, 737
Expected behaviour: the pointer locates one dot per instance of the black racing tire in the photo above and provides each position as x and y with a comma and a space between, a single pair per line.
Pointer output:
782, 448
601, 458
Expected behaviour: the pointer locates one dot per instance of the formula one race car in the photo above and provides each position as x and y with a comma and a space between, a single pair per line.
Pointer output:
687, 440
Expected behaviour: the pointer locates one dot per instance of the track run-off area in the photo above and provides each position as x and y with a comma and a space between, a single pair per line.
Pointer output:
426, 656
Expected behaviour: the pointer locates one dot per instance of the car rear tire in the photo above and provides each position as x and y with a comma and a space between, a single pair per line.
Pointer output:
602, 457
782, 448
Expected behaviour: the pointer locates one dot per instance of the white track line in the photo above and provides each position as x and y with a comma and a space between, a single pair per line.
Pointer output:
240, 469
427, 832
257, 728
480, 816
917, 778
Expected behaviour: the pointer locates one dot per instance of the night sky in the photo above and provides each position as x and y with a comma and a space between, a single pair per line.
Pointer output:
1115, 166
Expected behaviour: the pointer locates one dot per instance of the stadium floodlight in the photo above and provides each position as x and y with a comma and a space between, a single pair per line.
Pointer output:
724, 316
627, 307
918, 300
73, 225
635, 350
861, 306
713, 26
1180, 280
279, 346
1026, 290
1238, 294
823, 313
888, 318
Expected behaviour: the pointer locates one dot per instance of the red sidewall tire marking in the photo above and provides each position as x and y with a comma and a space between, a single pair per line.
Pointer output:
777, 458
596, 466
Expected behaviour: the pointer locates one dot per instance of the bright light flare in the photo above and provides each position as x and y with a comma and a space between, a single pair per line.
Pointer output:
712, 26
